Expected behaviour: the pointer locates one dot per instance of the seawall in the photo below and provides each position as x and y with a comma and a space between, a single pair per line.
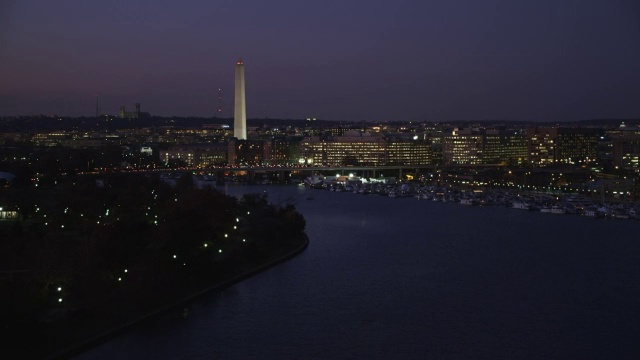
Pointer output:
107, 335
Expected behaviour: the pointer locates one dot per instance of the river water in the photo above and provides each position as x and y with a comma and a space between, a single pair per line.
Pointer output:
400, 278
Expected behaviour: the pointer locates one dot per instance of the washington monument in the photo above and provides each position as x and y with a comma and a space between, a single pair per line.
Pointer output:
240, 109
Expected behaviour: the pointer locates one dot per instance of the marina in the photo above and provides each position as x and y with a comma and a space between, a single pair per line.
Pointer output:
559, 204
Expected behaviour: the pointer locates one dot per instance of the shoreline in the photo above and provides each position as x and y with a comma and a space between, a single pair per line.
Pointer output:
109, 334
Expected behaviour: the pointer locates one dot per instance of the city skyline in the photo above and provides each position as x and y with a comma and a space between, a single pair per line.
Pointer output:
410, 61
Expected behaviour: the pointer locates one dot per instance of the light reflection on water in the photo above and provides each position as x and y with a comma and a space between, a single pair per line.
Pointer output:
402, 278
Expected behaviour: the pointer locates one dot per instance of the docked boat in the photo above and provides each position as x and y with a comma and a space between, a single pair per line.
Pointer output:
520, 205
557, 209
545, 209
469, 202
603, 211
620, 214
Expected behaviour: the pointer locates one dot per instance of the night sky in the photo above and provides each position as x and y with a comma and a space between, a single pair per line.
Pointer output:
547, 60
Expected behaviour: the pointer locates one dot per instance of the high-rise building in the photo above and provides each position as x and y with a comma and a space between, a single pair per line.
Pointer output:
240, 109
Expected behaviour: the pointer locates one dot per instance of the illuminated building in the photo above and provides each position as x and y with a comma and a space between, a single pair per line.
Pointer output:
504, 147
577, 145
479, 146
549, 145
354, 148
358, 148
200, 156
462, 147
9, 214
50, 139
413, 150
626, 151
249, 152
542, 145
240, 108
285, 150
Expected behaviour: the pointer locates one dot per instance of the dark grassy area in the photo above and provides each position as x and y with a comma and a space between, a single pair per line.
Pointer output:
88, 256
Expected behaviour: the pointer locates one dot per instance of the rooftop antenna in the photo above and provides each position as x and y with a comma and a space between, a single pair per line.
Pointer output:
97, 106
219, 108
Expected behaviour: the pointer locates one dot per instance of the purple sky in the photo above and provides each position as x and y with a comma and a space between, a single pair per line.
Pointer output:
549, 60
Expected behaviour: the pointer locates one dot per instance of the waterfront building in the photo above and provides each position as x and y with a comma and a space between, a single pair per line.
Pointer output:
358, 148
542, 145
474, 146
354, 148
240, 108
504, 147
624, 144
436, 137
626, 151
549, 145
411, 150
577, 146
462, 147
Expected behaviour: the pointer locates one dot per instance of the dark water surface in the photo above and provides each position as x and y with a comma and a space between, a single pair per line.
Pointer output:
389, 278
